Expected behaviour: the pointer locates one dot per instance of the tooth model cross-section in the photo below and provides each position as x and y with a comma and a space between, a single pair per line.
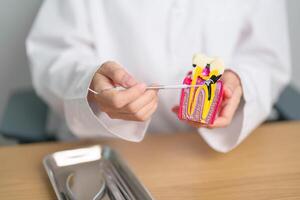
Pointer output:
202, 102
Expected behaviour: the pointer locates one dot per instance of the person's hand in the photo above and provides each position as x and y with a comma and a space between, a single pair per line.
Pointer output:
232, 96
134, 104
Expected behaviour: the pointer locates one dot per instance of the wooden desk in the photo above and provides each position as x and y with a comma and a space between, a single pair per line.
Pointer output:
178, 166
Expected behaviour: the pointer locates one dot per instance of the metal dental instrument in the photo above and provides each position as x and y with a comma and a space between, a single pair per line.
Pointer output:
155, 87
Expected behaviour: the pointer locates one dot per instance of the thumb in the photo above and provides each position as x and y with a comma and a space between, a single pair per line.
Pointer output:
227, 91
117, 74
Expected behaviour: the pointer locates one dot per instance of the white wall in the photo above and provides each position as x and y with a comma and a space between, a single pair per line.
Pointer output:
294, 24
16, 17
15, 20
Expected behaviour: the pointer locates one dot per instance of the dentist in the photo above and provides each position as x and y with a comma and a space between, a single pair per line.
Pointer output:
97, 44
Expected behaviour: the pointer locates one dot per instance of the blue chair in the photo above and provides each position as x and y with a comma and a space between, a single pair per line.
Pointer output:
25, 118
288, 104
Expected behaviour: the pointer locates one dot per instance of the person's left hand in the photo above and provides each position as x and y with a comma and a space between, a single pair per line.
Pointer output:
232, 96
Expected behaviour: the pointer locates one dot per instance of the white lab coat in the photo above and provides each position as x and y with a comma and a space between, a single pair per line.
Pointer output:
155, 40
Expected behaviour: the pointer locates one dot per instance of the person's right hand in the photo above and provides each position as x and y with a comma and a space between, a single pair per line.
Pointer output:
134, 104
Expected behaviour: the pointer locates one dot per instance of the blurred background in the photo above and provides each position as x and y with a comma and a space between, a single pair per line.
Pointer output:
16, 18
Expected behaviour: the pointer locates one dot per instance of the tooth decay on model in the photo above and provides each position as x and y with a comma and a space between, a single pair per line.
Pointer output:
201, 104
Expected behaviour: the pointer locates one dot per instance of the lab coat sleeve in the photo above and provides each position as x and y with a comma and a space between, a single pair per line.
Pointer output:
262, 61
63, 61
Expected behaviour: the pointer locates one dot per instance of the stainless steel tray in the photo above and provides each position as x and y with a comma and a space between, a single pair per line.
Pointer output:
93, 173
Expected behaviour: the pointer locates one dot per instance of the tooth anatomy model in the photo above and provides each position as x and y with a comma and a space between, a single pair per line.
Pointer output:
201, 103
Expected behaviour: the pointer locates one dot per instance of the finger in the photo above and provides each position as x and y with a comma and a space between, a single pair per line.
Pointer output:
123, 116
227, 112
143, 115
232, 104
132, 107
118, 99
146, 112
117, 74
101, 82
231, 78
142, 101
151, 111
227, 92
220, 122
98, 84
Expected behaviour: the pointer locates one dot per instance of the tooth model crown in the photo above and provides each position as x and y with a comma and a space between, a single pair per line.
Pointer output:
201, 104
